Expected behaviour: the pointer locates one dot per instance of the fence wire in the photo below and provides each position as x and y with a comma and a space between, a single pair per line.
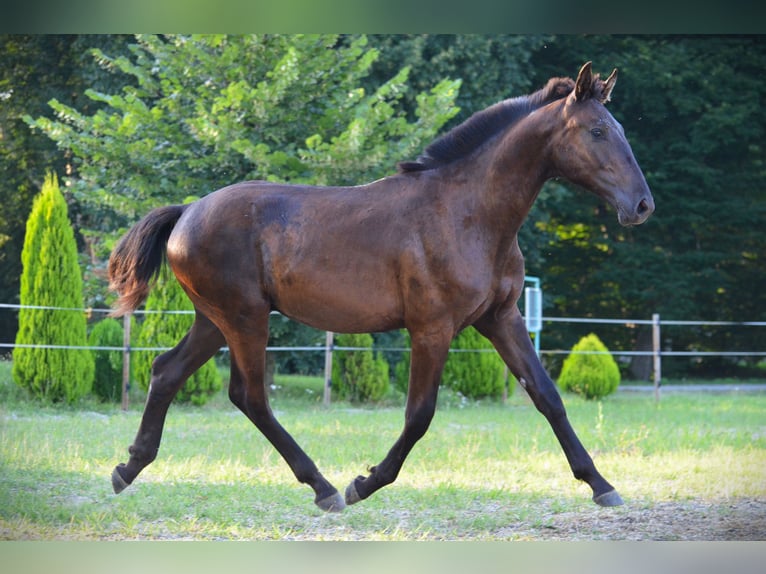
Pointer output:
90, 311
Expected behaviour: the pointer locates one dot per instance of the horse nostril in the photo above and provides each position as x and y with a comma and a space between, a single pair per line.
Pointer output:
643, 207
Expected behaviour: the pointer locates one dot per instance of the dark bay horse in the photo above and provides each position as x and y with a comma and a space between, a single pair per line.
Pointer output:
432, 249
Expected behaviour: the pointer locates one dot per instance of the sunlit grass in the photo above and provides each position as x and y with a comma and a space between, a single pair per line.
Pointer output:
483, 471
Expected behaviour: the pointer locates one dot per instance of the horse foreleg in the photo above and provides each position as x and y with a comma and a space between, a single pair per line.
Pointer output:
511, 339
247, 391
170, 371
429, 354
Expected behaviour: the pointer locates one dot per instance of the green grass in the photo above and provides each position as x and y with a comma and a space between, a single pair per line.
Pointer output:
484, 471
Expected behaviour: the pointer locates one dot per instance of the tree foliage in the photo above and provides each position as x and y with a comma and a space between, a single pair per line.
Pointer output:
33, 69
206, 111
51, 278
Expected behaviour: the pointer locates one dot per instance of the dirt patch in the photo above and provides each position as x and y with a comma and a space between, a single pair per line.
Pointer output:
690, 520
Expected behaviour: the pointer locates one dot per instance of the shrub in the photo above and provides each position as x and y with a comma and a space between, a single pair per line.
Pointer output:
593, 374
107, 383
51, 277
167, 330
359, 376
474, 374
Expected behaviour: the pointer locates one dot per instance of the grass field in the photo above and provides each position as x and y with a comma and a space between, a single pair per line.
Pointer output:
692, 467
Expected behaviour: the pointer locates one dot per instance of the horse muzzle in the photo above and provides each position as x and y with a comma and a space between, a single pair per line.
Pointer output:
638, 213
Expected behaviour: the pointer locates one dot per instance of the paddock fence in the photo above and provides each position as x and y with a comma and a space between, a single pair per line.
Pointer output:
656, 352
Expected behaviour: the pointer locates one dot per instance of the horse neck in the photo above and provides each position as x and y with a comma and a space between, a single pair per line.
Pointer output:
516, 167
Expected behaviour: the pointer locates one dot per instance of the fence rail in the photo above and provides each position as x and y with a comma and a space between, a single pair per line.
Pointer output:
329, 347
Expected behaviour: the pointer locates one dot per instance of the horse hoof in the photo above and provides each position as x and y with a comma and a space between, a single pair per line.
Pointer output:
611, 498
118, 483
352, 496
333, 503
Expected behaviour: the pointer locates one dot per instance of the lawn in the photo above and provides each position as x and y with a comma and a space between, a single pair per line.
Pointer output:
689, 468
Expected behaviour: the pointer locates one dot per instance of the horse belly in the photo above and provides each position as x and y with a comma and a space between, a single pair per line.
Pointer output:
342, 302
330, 285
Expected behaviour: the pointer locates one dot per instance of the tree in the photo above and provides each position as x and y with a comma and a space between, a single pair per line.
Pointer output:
160, 329
51, 278
34, 69
491, 67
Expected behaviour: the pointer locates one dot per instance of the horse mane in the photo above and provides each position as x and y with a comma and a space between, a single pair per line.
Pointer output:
482, 126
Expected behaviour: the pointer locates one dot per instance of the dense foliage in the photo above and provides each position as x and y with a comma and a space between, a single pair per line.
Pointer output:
590, 370
51, 278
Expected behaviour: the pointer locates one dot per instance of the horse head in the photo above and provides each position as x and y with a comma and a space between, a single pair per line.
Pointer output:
591, 150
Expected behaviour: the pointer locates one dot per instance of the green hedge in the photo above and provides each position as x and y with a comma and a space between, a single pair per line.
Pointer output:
590, 370
359, 376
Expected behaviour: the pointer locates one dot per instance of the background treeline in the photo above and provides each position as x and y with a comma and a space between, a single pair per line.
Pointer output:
146, 121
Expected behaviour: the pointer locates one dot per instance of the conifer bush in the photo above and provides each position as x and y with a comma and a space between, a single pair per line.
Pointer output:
590, 370
107, 383
359, 376
51, 277
474, 375
166, 330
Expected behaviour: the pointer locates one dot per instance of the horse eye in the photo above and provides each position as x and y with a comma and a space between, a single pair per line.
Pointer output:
597, 132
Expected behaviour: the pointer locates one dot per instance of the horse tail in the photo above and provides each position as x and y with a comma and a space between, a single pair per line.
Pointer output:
136, 260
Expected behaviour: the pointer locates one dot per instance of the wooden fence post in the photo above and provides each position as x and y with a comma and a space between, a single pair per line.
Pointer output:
656, 350
125, 360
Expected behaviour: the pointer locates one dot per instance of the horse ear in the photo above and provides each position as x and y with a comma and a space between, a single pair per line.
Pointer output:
584, 83
606, 94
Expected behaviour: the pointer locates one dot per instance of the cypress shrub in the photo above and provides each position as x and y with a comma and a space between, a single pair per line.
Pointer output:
474, 374
359, 376
107, 383
593, 375
167, 330
51, 276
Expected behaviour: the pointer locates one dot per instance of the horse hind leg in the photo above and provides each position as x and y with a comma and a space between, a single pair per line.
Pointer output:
170, 371
247, 391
